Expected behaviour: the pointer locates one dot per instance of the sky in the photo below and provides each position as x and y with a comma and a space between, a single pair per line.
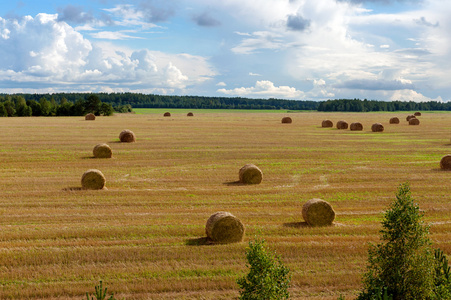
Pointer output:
287, 49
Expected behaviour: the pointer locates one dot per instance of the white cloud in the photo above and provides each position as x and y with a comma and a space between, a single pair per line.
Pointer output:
114, 35
265, 89
411, 95
222, 83
254, 74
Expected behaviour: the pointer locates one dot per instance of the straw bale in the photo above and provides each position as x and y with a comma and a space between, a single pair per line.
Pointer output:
286, 120
377, 127
394, 120
223, 227
417, 114
445, 162
102, 151
327, 123
356, 126
250, 174
414, 121
190, 114
317, 212
90, 117
127, 136
342, 125
93, 180
409, 117
167, 114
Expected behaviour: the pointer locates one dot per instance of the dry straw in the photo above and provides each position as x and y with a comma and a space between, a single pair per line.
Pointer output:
102, 151
167, 114
394, 120
286, 120
445, 162
414, 121
90, 117
190, 114
377, 127
342, 125
356, 126
409, 117
250, 174
223, 227
317, 212
327, 123
93, 180
417, 114
127, 136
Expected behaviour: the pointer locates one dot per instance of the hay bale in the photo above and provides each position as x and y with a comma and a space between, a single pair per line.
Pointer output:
327, 123
167, 114
190, 114
127, 136
90, 117
286, 120
342, 125
93, 180
409, 117
102, 151
445, 162
377, 127
414, 121
250, 174
223, 227
417, 114
356, 126
394, 120
317, 212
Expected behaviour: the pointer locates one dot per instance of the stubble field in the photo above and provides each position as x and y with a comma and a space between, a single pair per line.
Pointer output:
144, 235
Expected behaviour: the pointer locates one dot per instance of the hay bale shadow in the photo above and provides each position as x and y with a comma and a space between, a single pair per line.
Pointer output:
203, 241
441, 170
296, 225
76, 188
234, 183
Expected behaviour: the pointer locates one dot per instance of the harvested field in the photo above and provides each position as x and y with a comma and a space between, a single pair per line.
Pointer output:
144, 236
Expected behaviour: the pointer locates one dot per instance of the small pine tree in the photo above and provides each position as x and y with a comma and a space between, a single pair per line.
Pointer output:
268, 278
403, 263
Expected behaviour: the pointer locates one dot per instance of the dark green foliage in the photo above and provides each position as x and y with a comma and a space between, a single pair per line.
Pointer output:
442, 276
268, 278
100, 293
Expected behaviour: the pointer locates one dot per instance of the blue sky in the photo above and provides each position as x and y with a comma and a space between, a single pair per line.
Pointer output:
290, 49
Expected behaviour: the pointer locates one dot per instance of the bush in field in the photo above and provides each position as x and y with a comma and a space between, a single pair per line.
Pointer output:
268, 278
100, 293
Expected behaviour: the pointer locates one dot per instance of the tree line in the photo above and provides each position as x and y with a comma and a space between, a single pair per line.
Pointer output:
357, 105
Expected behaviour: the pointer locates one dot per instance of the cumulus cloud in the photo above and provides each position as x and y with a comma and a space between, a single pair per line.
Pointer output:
74, 14
265, 89
297, 23
377, 84
205, 20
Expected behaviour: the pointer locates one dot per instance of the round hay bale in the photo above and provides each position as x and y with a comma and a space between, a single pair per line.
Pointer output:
409, 117
327, 123
250, 174
223, 227
93, 180
342, 125
417, 114
190, 114
317, 212
167, 114
377, 127
90, 117
394, 120
445, 162
286, 120
102, 151
356, 126
414, 121
127, 136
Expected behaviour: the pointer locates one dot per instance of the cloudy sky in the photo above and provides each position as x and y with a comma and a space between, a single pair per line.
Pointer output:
290, 49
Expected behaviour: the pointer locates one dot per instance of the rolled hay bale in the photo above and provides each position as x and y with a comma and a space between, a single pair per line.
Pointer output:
417, 114
394, 120
93, 180
342, 125
90, 117
250, 174
445, 162
127, 136
327, 123
377, 127
167, 114
190, 114
409, 117
356, 126
317, 212
286, 120
223, 227
102, 151
414, 121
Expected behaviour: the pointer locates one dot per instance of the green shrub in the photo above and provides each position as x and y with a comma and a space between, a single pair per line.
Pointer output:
268, 278
100, 293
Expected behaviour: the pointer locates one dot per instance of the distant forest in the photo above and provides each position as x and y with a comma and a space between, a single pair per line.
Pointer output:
77, 104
